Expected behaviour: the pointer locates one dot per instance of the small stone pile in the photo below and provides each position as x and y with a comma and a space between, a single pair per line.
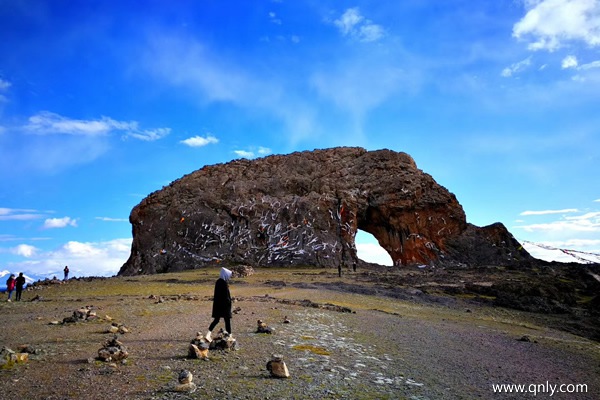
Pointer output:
8, 356
223, 340
81, 315
241, 271
263, 327
276, 366
199, 347
113, 351
117, 328
185, 382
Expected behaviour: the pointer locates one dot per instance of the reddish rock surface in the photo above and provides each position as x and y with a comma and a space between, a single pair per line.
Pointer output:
304, 209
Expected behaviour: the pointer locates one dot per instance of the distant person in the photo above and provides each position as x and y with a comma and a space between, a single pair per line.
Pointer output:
19, 283
221, 303
66, 271
10, 285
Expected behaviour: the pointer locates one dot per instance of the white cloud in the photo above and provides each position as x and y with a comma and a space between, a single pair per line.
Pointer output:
261, 151
48, 123
352, 23
109, 219
550, 24
370, 33
547, 212
149, 135
244, 153
51, 223
18, 214
348, 21
24, 250
199, 141
264, 151
593, 64
569, 62
516, 67
589, 222
83, 259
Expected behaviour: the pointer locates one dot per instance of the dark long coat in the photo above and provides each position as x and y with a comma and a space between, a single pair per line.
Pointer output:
222, 300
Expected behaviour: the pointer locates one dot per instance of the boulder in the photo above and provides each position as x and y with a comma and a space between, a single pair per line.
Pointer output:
305, 209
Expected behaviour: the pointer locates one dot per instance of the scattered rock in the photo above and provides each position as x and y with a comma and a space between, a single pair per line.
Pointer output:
276, 366
263, 328
81, 315
117, 328
25, 348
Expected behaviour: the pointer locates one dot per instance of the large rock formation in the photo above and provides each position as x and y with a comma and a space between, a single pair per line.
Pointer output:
304, 209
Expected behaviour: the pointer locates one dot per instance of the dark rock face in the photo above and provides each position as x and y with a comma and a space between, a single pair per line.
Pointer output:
304, 209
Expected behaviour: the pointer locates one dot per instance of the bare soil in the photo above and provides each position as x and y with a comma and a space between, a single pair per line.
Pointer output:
348, 338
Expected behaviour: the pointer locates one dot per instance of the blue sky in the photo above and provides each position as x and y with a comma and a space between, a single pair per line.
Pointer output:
104, 102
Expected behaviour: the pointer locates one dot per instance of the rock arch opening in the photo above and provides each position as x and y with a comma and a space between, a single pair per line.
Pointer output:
369, 250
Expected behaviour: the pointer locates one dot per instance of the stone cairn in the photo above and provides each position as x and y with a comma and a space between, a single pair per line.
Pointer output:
9, 357
199, 347
276, 366
81, 315
113, 351
185, 383
223, 340
263, 327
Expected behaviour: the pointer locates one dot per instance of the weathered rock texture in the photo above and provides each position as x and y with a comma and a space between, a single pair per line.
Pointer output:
304, 209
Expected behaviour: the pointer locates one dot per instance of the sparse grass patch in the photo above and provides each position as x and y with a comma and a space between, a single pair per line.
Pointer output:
313, 349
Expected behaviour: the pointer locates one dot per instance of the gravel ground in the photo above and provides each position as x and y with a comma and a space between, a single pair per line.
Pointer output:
400, 350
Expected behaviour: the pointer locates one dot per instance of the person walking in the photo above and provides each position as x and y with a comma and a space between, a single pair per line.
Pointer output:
221, 303
66, 271
19, 283
10, 286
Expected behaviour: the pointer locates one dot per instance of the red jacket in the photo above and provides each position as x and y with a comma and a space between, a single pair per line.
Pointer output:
10, 284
